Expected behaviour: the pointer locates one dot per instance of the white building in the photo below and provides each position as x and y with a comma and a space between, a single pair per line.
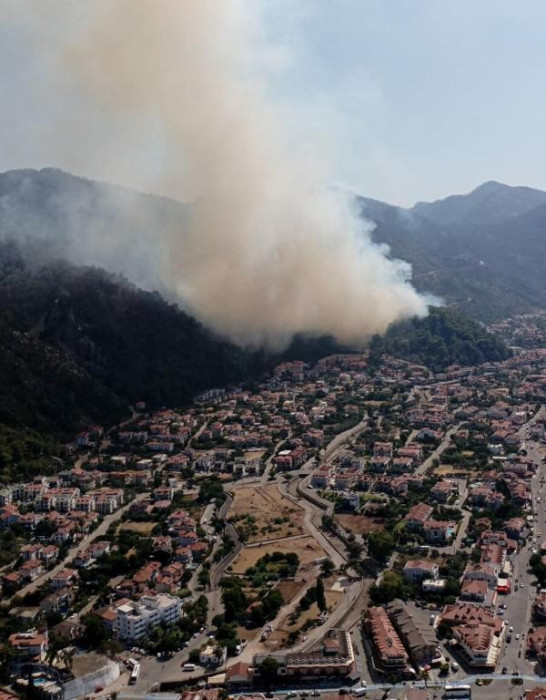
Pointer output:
134, 620
417, 570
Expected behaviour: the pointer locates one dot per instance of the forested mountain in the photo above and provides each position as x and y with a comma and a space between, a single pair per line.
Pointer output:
483, 252
79, 344
444, 337
82, 344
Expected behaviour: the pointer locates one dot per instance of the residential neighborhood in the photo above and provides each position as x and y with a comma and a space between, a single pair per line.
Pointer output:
338, 527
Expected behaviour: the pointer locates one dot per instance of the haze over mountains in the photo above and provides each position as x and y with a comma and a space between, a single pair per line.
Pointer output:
79, 344
482, 251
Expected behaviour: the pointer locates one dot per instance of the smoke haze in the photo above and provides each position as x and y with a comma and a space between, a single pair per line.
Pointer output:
267, 248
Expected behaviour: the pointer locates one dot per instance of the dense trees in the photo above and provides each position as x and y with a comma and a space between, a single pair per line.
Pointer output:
444, 337
380, 545
392, 586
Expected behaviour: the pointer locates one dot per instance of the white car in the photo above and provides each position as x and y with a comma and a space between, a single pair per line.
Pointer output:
517, 636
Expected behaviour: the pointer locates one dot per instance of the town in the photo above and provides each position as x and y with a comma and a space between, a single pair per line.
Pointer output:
350, 526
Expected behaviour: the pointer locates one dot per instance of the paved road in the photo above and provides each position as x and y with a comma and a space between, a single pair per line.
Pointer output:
437, 453
344, 437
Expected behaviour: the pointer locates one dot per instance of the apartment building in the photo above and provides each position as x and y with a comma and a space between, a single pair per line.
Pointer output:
134, 619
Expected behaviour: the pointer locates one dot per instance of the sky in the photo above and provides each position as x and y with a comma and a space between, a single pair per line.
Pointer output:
410, 99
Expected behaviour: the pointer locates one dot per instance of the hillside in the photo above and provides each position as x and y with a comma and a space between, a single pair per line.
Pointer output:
78, 345
481, 252
445, 337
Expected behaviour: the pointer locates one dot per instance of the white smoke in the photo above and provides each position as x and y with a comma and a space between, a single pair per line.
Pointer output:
268, 249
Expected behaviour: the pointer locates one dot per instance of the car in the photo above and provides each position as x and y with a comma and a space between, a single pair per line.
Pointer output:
315, 693
504, 670
291, 694
518, 635
304, 694
511, 629
501, 611
522, 585
99, 689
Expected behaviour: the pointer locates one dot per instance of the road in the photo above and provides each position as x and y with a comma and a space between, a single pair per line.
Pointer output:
339, 440
437, 453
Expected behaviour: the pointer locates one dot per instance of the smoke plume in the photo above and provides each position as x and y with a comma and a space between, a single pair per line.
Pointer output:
268, 248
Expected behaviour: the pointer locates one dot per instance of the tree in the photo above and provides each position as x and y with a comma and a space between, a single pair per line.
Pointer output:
95, 630
193, 656
321, 598
234, 601
327, 567
380, 545
210, 488
392, 586
268, 669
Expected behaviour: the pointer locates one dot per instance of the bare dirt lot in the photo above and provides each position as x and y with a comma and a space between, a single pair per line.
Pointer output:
262, 513
359, 524
142, 528
289, 589
305, 547
447, 469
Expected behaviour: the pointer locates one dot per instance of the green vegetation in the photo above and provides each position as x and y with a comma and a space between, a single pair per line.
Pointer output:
210, 488
444, 337
380, 545
321, 598
25, 453
392, 586
272, 567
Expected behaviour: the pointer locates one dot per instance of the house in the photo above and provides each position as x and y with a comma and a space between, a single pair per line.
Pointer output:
31, 570
540, 604
515, 528
418, 515
536, 694
438, 531
239, 675
442, 491
57, 602
483, 572
417, 570
31, 645
64, 579
212, 655
474, 590
536, 643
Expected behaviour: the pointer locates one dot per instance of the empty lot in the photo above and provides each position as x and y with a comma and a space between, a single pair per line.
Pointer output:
305, 547
262, 513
